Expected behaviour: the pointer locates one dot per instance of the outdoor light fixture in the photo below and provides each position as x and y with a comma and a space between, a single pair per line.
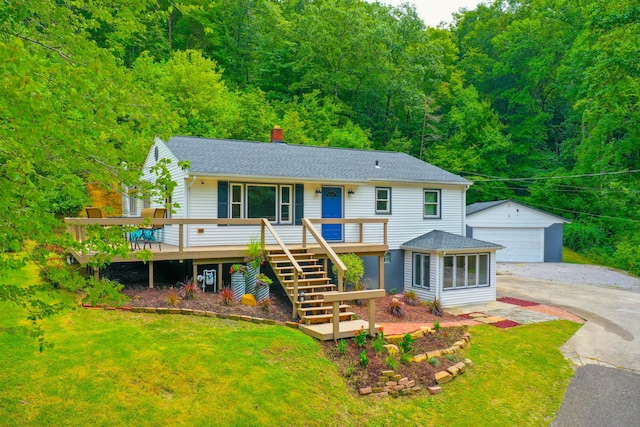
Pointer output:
318, 190
350, 192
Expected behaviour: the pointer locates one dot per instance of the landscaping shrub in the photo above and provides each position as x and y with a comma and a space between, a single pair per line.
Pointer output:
396, 308
411, 298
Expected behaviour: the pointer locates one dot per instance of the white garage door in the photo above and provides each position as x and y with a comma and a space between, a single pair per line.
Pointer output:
521, 244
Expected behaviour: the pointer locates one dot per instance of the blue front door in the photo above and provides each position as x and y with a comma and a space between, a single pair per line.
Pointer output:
332, 208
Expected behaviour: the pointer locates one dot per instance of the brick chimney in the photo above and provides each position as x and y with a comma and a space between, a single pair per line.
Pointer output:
277, 135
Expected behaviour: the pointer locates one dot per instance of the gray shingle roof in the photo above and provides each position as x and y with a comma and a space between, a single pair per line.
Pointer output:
259, 159
480, 206
441, 240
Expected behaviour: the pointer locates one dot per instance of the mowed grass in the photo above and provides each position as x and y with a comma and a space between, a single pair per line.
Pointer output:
122, 368
571, 257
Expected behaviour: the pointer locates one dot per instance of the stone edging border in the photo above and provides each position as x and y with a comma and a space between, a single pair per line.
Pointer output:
192, 312
392, 384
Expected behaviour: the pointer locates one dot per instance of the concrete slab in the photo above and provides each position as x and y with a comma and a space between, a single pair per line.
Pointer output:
483, 308
522, 315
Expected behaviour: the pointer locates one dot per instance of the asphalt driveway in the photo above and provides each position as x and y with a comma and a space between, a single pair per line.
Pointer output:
606, 350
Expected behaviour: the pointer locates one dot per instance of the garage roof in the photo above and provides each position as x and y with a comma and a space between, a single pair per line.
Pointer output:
438, 240
481, 206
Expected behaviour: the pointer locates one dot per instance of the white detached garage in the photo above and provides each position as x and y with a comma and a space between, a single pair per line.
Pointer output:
527, 234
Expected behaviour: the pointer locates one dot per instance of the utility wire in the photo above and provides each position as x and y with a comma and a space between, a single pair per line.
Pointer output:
495, 178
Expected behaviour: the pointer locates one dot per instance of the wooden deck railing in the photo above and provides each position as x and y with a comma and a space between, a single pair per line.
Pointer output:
335, 298
307, 226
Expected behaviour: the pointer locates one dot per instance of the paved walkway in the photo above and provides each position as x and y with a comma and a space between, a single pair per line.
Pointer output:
507, 313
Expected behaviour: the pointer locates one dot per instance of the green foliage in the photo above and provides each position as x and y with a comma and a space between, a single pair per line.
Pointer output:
364, 358
355, 268
378, 343
406, 345
392, 362
436, 326
434, 361
105, 292
341, 346
360, 337
255, 252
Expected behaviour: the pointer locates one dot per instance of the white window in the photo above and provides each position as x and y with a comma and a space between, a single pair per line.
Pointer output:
387, 258
236, 201
421, 270
269, 201
465, 271
286, 192
383, 200
431, 203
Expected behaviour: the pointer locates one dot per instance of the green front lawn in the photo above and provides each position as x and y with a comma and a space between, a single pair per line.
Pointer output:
122, 368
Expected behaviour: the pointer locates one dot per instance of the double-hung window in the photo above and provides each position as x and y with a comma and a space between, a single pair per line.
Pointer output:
431, 203
466, 271
421, 270
383, 200
270, 201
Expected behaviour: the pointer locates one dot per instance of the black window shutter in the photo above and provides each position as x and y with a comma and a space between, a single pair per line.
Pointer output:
299, 213
223, 199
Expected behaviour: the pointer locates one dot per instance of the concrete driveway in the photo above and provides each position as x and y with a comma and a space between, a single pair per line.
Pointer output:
611, 336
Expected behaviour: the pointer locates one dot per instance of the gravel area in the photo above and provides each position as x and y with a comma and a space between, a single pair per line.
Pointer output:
592, 275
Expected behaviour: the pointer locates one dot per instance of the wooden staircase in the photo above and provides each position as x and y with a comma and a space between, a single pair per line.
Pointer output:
312, 282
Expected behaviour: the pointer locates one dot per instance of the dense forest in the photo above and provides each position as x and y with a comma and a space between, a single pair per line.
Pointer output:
535, 100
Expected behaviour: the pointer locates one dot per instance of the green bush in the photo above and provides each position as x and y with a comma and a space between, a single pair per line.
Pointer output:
355, 269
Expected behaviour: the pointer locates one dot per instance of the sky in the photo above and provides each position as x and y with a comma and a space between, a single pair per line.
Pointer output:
433, 12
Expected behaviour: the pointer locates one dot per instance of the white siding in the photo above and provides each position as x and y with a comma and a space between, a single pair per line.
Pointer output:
406, 220
453, 297
170, 232
423, 294
511, 214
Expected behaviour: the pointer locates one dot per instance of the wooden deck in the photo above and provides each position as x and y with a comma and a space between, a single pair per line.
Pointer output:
229, 253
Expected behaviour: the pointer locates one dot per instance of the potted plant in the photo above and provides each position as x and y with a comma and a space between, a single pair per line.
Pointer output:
238, 285
262, 287
254, 259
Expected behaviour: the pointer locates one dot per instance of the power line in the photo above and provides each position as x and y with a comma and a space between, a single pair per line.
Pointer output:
495, 178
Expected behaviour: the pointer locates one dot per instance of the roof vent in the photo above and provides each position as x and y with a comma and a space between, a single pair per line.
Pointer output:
277, 135
377, 165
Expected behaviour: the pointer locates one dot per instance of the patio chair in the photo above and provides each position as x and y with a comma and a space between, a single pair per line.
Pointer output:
95, 213
147, 233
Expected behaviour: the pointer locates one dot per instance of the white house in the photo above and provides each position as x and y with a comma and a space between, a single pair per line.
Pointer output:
527, 234
423, 207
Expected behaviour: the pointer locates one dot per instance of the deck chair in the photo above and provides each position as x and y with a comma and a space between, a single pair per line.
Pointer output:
95, 213
147, 234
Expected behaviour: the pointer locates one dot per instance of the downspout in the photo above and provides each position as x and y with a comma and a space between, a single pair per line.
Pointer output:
464, 211
187, 211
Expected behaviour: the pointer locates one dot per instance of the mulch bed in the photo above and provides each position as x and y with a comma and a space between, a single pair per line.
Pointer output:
518, 302
423, 373
505, 324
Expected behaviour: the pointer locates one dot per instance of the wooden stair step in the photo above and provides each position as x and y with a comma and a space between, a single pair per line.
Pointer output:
324, 318
307, 280
322, 307
304, 267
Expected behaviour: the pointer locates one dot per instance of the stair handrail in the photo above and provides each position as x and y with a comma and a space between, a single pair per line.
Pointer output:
297, 269
335, 259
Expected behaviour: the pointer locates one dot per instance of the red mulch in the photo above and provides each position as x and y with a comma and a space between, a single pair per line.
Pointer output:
519, 302
503, 324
